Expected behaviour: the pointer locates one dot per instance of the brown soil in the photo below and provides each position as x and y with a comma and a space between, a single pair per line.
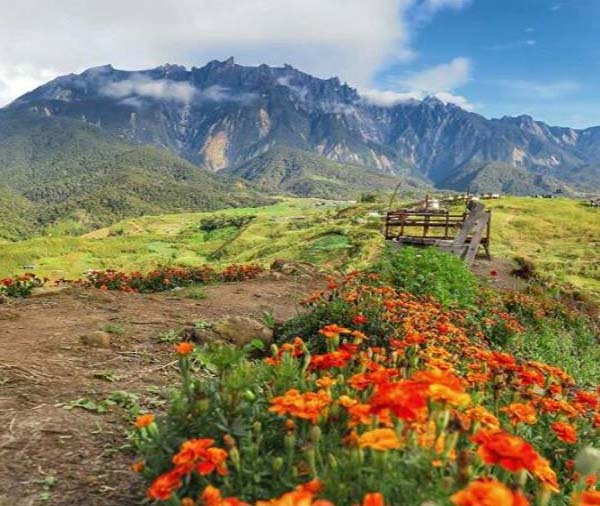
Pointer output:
496, 273
58, 457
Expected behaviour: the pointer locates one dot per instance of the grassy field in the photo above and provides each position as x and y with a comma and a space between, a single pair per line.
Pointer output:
306, 229
561, 237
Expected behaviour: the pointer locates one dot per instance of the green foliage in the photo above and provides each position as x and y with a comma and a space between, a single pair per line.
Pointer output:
113, 328
428, 272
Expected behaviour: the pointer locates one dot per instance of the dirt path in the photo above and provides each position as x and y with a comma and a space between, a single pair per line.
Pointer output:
58, 457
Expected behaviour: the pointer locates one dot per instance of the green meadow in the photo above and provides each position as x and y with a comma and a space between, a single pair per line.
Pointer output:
560, 236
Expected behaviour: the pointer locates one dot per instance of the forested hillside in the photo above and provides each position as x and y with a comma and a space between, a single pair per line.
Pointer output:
58, 170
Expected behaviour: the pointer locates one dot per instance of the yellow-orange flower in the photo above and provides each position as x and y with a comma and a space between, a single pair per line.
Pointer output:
307, 406
520, 413
333, 331
488, 492
380, 439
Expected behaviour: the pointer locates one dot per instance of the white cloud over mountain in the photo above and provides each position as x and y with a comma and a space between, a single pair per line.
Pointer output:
349, 38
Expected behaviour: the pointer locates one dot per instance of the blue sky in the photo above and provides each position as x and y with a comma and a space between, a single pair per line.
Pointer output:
536, 57
495, 57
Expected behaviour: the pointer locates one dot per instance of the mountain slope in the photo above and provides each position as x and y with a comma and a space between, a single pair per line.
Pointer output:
497, 177
307, 174
223, 115
58, 168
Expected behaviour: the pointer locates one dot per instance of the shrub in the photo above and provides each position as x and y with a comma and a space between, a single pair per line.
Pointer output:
429, 272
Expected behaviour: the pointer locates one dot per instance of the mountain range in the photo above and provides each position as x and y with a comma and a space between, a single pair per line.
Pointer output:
154, 137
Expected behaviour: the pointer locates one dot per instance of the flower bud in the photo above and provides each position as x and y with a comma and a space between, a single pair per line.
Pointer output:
249, 395
332, 460
315, 434
257, 427
277, 464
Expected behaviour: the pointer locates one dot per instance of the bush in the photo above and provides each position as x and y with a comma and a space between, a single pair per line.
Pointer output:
429, 272
217, 222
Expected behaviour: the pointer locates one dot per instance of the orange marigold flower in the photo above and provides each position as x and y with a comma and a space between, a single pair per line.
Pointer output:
587, 498
508, 451
520, 413
373, 499
565, 432
543, 472
201, 455
325, 382
332, 331
144, 421
405, 399
338, 358
380, 439
307, 406
163, 486
589, 399
211, 496
488, 492
187, 501
138, 467
184, 348
483, 416
360, 319
303, 495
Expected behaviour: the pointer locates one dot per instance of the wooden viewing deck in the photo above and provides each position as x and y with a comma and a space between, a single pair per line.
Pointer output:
461, 234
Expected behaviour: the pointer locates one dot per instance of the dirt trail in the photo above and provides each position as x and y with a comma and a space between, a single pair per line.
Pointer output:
58, 457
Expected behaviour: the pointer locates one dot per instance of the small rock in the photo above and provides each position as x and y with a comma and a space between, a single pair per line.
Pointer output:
275, 276
290, 268
242, 330
97, 339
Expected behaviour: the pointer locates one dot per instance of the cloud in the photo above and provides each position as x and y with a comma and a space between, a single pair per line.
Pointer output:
139, 87
218, 93
143, 86
391, 98
513, 45
444, 77
545, 90
349, 38
438, 81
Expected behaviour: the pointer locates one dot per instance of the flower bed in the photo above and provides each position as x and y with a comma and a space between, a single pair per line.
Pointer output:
20, 286
427, 412
167, 278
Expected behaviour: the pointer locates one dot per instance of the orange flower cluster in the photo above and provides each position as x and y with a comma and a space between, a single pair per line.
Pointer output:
308, 406
195, 455
165, 278
488, 493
